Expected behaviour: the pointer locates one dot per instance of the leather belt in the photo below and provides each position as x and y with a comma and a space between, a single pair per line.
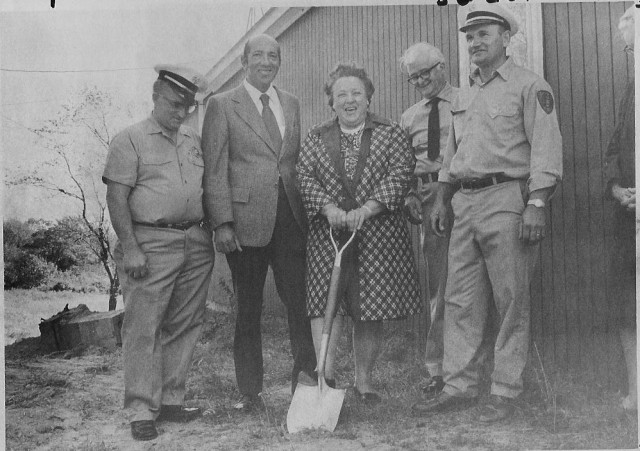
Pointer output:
176, 226
484, 181
429, 177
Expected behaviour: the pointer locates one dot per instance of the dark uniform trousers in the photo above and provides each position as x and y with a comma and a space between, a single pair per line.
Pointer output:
286, 255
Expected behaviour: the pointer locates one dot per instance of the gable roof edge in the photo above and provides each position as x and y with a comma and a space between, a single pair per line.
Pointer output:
274, 22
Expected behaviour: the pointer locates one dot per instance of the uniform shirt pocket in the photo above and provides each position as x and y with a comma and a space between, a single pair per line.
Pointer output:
499, 110
420, 144
152, 159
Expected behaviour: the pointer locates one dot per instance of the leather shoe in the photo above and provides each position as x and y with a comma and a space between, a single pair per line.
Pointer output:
495, 409
178, 414
434, 387
144, 430
246, 403
444, 402
368, 398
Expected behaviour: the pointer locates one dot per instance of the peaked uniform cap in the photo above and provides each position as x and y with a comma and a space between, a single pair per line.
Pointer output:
184, 81
490, 14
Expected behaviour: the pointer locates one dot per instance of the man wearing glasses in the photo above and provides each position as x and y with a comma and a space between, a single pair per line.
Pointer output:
427, 125
164, 255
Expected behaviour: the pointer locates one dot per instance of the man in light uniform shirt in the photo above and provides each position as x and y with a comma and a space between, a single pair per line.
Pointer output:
164, 255
502, 163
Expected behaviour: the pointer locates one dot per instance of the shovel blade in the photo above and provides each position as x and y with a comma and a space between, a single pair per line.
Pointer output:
314, 408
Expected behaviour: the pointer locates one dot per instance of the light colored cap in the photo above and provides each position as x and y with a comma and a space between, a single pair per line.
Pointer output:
185, 81
491, 14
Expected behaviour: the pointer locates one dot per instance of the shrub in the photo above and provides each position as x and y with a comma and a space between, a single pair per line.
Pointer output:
16, 234
24, 270
62, 244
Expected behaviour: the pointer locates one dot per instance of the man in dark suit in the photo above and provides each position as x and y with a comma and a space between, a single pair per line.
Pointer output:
251, 141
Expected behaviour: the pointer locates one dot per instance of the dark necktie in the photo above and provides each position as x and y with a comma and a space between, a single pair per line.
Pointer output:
433, 136
270, 121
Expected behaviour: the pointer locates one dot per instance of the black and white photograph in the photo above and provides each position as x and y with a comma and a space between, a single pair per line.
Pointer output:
319, 225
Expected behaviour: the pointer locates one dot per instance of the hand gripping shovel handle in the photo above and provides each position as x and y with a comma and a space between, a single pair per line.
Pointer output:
332, 304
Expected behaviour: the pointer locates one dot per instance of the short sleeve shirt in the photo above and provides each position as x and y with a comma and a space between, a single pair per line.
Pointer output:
507, 125
415, 122
165, 177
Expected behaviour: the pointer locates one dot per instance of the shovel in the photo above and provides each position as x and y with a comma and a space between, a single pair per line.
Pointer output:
318, 407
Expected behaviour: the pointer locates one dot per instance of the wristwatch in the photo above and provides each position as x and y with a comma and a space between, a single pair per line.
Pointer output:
536, 203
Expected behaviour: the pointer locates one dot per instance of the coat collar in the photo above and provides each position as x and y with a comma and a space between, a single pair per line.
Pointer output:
505, 71
153, 127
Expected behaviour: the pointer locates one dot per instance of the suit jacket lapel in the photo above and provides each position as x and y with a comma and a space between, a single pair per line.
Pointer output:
289, 120
247, 110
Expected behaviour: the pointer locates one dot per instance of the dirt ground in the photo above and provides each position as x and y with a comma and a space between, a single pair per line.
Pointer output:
72, 401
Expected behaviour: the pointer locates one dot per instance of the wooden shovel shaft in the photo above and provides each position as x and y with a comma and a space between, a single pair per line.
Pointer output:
332, 303
329, 315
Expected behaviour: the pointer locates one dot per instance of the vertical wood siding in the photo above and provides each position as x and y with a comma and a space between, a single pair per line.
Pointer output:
572, 323
588, 71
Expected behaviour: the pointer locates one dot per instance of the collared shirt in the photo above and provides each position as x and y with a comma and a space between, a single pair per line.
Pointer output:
165, 177
415, 122
506, 125
274, 102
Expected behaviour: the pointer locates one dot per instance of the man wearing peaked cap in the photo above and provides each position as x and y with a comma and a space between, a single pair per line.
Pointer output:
491, 14
184, 81
502, 163
164, 254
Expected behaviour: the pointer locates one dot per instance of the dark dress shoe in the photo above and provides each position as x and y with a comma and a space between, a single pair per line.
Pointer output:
144, 430
434, 387
444, 402
496, 408
246, 403
178, 414
368, 398
331, 383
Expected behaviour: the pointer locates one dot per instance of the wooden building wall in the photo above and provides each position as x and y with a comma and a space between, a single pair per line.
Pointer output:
587, 69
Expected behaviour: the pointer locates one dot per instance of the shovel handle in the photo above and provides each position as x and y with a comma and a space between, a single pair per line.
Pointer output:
339, 252
332, 302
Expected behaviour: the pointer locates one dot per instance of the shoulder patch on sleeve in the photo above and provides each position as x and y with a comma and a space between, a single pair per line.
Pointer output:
545, 99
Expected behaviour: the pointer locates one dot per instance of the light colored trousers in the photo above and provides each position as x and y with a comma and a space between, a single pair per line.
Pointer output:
163, 314
434, 249
487, 260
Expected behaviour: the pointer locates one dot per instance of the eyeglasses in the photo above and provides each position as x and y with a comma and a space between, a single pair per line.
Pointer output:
423, 74
189, 108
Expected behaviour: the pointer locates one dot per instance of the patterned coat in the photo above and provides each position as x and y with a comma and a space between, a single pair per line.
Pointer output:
386, 269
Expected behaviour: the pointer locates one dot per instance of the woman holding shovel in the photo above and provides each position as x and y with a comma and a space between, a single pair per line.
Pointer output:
354, 172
